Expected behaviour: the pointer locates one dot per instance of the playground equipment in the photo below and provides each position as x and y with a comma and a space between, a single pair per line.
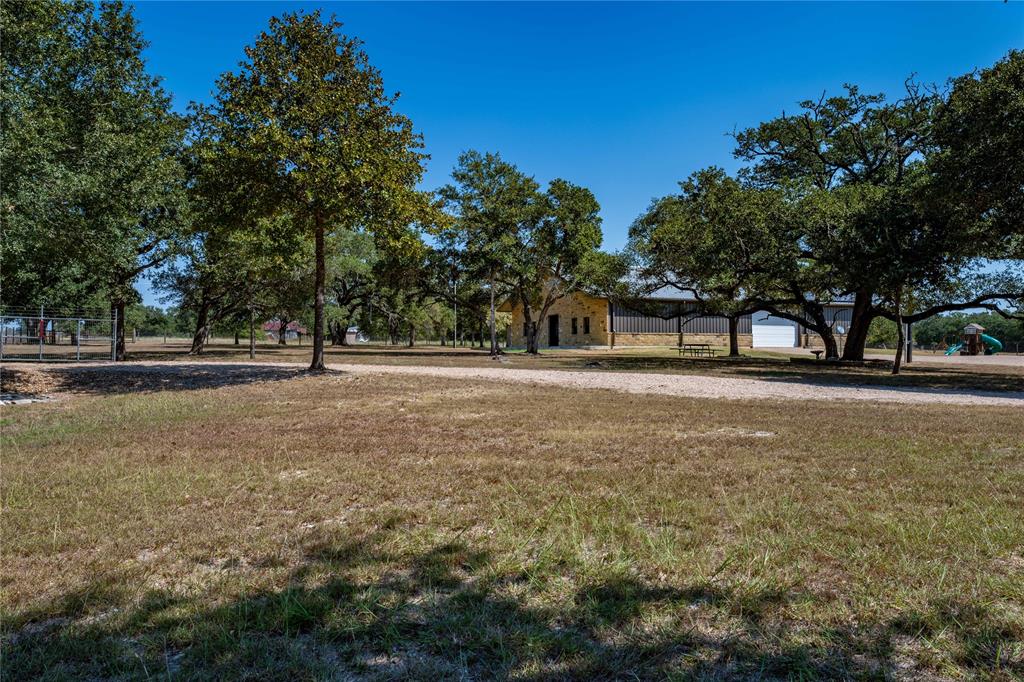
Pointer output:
973, 341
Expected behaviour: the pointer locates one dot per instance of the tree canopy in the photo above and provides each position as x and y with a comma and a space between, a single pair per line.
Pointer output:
91, 156
860, 198
309, 131
534, 245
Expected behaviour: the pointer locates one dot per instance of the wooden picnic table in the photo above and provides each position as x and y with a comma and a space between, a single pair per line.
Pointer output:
697, 350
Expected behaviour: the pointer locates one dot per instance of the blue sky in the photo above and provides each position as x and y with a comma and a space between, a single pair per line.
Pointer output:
624, 98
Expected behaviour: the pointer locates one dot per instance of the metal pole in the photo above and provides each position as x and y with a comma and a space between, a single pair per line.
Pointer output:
910, 342
455, 332
78, 341
3, 335
42, 328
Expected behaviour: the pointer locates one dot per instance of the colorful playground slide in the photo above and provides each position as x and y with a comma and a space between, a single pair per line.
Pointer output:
994, 345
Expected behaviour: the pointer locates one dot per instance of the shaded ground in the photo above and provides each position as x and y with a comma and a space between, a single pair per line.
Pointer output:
347, 526
1007, 358
116, 378
756, 364
764, 384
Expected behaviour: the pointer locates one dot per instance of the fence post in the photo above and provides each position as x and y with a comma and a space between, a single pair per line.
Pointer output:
41, 330
78, 341
3, 335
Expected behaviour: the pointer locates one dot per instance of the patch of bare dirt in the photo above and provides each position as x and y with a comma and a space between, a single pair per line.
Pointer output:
26, 380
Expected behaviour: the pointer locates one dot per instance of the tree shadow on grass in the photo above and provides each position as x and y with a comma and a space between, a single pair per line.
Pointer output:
296, 353
971, 381
128, 378
919, 380
358, 608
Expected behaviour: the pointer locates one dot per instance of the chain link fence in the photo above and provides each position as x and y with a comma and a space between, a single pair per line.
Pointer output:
55, 334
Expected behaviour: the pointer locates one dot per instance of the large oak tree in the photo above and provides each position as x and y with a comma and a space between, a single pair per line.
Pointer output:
879, 224
311, 132
536, 246
93, 184
729, 246
493, 203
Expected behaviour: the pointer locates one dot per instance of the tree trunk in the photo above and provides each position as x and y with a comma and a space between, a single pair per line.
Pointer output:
494, 326
318, 305
237, 338
822, 327
412, 336
202, 329
860, 320
531, 337
900, 340
282, 332
734, 337
829, 339
117, 310
252, 335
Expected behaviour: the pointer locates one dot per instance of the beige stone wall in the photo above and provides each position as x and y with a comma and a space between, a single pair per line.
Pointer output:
577, 305
813, 340
624, 339
807, 340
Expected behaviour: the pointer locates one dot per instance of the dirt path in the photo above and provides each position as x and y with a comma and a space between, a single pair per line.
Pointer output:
701, 386
164, 375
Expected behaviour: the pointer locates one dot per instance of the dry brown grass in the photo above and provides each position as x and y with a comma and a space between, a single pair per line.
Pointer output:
334, 526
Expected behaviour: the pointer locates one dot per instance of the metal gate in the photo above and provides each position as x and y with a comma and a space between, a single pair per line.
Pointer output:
53, 334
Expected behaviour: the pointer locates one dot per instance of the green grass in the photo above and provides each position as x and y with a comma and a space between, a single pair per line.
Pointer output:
330, 527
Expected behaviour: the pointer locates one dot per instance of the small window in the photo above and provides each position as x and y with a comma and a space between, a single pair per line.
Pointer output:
586, 325
575, 330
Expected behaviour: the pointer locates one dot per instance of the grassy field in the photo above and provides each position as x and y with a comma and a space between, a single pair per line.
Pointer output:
276, 525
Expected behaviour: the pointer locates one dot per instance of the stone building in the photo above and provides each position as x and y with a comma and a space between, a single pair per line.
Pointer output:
581, 320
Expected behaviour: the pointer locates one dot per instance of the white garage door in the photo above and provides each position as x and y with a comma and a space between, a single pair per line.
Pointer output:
772, 332
768, 336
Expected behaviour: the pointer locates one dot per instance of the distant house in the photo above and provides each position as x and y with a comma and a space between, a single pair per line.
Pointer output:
293, 330
353, 335
584, 321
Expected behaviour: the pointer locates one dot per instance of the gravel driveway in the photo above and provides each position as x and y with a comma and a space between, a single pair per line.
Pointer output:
700, 386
